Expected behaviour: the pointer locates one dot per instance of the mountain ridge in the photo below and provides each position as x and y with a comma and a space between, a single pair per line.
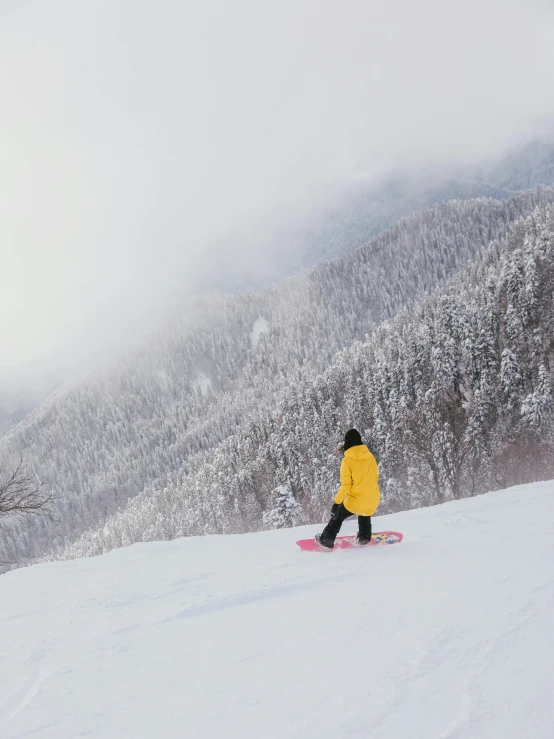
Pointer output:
167, 429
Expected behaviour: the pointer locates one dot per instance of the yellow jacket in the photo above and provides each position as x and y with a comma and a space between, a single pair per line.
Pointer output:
359, 487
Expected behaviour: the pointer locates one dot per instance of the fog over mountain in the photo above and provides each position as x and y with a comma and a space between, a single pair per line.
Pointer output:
364, 207
346, 220
136, 137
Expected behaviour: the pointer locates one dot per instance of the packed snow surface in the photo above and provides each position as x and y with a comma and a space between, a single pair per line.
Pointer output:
448, 634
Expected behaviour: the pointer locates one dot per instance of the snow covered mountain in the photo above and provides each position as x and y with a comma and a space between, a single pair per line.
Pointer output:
454, 396
156, 424
210, 408
344, 222
361, 210
22, 390
447, 635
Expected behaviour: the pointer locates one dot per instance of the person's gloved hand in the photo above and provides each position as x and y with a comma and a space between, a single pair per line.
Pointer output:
334, 509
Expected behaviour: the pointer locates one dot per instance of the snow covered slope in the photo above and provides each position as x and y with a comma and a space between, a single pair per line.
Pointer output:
448, 634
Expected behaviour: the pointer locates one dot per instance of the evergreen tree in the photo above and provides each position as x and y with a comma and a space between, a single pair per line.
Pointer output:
285, 509
537, 408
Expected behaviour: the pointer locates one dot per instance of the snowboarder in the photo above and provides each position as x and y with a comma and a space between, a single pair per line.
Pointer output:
358, 494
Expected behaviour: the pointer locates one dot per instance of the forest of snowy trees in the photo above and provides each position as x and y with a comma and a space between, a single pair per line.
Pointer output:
454, 396
223, 427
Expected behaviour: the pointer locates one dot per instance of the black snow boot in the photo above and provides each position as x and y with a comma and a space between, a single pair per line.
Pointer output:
322, 545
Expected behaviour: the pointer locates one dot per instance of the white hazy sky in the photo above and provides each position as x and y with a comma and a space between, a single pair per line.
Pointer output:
134, 132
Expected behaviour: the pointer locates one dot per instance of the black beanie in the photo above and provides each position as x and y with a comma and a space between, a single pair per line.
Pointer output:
352, 438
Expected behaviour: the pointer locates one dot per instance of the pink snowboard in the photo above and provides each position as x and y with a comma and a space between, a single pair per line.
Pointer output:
347, 542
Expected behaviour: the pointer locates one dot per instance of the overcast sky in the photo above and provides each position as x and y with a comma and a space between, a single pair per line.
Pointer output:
133, 133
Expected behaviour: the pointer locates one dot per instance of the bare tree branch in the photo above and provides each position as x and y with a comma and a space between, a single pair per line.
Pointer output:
21, 494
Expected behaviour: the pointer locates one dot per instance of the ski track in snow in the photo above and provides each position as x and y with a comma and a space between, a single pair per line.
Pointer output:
447, 635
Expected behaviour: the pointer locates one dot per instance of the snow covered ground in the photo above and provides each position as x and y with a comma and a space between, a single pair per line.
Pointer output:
448, 634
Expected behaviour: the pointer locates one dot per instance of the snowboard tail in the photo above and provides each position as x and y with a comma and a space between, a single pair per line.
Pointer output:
349, 542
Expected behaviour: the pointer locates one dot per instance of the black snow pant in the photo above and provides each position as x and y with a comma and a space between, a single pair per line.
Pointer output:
329, 533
